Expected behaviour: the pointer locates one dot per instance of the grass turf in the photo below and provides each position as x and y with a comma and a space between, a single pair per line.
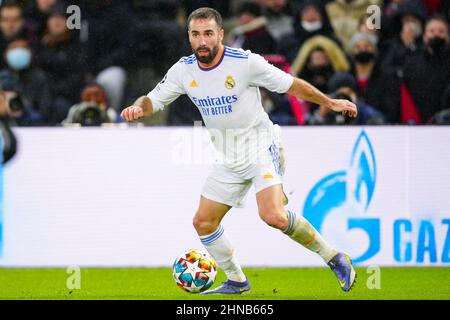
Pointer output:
267, 283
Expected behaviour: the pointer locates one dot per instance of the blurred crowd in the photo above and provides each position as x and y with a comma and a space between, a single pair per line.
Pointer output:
63, 64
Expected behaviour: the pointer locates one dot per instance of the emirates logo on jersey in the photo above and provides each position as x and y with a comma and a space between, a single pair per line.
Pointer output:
229, 82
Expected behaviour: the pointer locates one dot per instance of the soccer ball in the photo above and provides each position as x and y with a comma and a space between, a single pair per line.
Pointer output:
194, 271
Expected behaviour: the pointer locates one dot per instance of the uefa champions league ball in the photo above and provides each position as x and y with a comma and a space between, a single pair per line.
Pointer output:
194, 271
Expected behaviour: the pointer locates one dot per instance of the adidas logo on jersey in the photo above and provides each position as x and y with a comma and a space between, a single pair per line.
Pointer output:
194, 84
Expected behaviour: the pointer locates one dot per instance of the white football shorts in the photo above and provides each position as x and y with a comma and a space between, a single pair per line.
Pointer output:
230, 187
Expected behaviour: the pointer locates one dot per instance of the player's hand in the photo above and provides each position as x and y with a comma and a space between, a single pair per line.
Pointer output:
132, 113
345, 107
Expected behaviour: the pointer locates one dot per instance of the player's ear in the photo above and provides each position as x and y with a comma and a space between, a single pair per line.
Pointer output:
221, 34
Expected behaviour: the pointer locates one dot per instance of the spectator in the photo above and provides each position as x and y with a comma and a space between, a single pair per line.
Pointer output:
109, 42
37, 14
376, 87
318, 60
408, 22
30, 83
279, 15
368, 25
427, 73
343, 85
318, 69
93, 109
392, 19
61, 56
12, 25
311, 20
345, 16
252, 34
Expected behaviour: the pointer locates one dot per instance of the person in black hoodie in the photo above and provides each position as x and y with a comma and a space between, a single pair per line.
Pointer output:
311, 20
376, 87
61, 56
427, 74
407, 26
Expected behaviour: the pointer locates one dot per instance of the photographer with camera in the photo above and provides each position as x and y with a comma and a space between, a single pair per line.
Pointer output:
342, 85
19, 113
93, 109
29, 82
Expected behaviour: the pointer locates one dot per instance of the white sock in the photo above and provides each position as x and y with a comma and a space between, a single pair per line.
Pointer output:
301, 231
220, 248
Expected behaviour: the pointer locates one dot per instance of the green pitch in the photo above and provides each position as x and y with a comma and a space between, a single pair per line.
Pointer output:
267, 283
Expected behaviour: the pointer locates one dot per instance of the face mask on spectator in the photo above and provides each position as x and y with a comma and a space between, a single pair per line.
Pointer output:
18, 58
437, 45
325, 70
364, 57
312, 26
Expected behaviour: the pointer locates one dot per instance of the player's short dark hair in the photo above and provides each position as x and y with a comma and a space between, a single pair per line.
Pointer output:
207, 14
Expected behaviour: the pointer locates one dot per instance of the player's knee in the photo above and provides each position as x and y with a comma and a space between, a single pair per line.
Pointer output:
275, 218
204, 226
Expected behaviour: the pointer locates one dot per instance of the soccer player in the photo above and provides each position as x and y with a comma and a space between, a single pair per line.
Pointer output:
224, 83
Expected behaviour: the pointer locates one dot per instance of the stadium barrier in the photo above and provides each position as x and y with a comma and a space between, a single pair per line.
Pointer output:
126, 197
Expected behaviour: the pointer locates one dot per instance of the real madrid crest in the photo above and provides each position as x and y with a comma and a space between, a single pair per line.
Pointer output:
230, 83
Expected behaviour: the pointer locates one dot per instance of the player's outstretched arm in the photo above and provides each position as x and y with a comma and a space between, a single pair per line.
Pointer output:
308, 92
142, 107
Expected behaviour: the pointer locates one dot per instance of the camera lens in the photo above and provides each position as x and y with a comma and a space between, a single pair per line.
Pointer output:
16, 104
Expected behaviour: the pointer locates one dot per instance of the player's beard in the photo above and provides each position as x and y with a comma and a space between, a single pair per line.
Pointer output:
210, 57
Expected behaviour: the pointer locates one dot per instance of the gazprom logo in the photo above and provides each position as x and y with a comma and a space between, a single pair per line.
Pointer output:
347, 192
337, 206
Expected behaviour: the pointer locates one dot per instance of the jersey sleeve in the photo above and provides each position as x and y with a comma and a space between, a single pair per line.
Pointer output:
168, 89
264, 74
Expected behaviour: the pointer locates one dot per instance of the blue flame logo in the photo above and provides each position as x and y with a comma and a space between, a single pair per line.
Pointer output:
348, 193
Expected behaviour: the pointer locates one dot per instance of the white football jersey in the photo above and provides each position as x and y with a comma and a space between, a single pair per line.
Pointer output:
228, 98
